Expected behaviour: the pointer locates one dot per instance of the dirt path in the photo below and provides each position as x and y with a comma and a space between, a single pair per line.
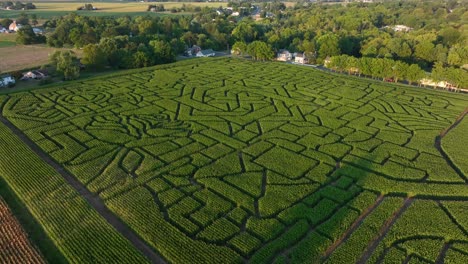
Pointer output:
92, 199
438, 145
352, 228
384, 230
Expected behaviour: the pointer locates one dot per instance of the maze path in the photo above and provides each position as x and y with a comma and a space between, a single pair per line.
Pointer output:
232, 160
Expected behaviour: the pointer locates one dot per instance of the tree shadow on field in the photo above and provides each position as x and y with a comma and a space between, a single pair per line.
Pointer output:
337, 209
33, 229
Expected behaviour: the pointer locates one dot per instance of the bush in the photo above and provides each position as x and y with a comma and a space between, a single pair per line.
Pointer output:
46, 81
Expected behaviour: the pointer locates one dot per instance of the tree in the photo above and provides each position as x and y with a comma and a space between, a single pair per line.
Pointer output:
239, 48
162, 51
34, 19
399, 70
328, 46
244, 32
457, 55
93, 57
109, 47
414, 73
438, 72
25, 35
450, 36
259, 50
425, 51
6, 22
65, 64
309, 47
23, 19
339, 63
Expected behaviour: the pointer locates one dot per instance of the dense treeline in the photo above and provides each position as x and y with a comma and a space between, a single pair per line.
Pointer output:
395, 71
413, 32
17, 6
136, 42
434, 31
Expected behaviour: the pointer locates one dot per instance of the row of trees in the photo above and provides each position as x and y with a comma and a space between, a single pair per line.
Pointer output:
26, 36
122, 52
455, 76
377, 68
388, 69
317, 30
258, 50
17, 6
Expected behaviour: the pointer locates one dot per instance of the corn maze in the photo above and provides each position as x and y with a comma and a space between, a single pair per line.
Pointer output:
224, 160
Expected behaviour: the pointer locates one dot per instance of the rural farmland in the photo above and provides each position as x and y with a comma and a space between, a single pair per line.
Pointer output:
228, 160
47, 10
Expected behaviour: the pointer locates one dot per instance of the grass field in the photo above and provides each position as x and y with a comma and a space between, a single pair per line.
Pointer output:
227, 160
14, 58
54, 9
7, 40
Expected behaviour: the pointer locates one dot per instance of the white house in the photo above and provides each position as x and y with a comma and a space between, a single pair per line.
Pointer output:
301, 58
206, 53
284, 55
6, 80
402, 28
14, 27
429, 82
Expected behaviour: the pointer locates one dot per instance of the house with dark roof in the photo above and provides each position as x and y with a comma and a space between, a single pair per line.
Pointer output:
284, 55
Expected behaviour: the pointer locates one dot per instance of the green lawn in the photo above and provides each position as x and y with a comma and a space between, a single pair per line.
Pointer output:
7, 40
226, 160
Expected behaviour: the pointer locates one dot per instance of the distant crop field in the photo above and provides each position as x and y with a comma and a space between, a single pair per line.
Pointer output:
15, 246
15, 58
227, 160
53, 9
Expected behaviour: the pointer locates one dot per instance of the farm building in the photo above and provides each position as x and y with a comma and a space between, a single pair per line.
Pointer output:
206, 53
36, 74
